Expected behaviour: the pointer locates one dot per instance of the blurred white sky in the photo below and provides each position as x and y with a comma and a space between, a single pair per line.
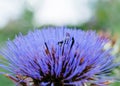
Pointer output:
57, 12
10, 10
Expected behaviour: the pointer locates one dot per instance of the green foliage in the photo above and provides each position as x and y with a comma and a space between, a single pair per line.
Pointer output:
5, 81
108, 15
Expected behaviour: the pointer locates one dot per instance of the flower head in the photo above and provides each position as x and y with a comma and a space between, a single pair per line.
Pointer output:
58, 57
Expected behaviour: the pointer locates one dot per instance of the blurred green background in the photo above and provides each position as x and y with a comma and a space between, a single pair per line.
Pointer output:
106, 18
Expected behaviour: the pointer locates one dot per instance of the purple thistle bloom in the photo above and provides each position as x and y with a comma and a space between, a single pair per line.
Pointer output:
58, 57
